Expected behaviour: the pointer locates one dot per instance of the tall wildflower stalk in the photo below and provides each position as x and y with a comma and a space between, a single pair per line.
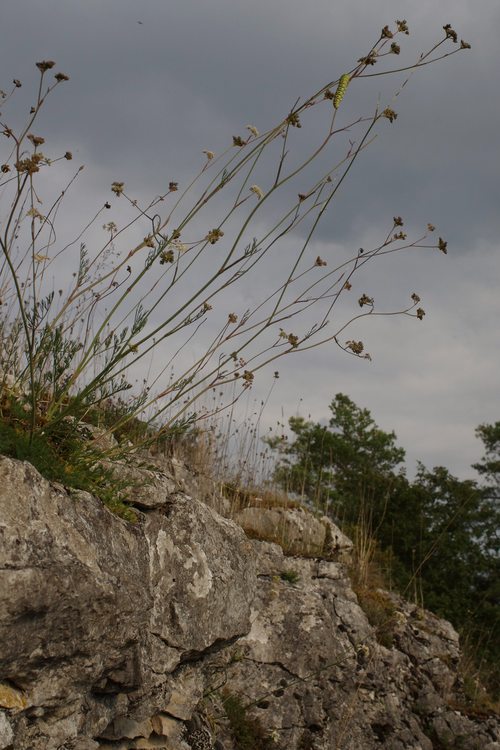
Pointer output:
66, 353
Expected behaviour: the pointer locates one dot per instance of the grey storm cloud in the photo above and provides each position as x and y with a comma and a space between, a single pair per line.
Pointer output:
154, 83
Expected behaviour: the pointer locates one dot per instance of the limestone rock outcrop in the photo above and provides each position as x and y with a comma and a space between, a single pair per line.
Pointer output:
180, 631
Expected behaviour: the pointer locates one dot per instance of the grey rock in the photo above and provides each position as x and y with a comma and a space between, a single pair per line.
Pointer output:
96, 613
117, 637
6, 731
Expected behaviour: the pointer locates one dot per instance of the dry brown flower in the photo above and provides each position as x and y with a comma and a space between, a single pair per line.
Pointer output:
320, 262
232, 318
36, 140
386, 33
355, 346
398, 221
370, 59
443, 246
167, 256
450, 33
68, 155
214, 235
415, 298
294, 120
117, 188
365, 300
45, 65
420, 313
389, 114
61, 77
238, 140
395, 48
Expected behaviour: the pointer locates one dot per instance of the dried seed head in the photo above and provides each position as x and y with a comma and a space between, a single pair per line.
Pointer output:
370, 59
17, 83
450, 33
68, 155
238, 140
253, 130
167, 256
61, 77
320, 262
209, 154
430, 227
173, 186
36, 140
232, 318
117, 188
389, 114
294, 120
45, 65
420, 313
293, 340
403, 26
355, 346
415, 298
443, 246
347, 286
365, 300
5, 168
398, 221
386, 33
214, 235
464, 45
395, 48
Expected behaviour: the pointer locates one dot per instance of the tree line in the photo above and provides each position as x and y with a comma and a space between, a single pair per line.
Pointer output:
437, 536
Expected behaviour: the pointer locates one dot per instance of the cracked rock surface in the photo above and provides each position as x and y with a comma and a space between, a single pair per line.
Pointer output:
120, 636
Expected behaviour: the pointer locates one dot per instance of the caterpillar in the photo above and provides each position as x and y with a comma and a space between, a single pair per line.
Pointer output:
341, 89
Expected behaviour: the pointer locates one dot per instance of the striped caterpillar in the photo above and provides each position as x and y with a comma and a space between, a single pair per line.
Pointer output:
341, 89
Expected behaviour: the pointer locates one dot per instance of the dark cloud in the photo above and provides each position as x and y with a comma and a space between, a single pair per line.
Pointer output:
145, 98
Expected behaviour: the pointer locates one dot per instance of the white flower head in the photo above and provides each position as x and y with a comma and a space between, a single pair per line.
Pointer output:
253, 130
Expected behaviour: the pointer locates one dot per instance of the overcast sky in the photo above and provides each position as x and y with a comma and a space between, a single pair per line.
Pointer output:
155, 82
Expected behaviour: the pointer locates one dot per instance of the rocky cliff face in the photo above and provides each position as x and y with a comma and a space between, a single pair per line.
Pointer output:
183, 632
